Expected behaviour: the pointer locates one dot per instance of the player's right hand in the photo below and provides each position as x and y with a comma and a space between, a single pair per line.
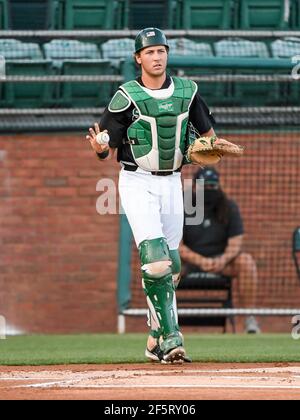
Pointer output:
98, 148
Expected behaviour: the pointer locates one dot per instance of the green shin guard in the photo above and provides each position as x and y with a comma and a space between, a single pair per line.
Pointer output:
159, 289
159, 292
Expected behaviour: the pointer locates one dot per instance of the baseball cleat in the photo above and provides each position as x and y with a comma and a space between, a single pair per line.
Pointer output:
176, 355
154, 355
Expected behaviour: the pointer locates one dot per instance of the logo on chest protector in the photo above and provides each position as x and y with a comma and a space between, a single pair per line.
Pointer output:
135, 114
166, 107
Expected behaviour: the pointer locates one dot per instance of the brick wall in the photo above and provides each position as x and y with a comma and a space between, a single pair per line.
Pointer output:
59, 257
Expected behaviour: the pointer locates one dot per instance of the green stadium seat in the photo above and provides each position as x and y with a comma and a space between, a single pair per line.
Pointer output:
237, 47
117, 50
86, 94
263, 14
205, 14
13, 49
89, 14
184, 46
58, 13
251, 93
32, 15
298, 15
295, 14
286, 48
143, 14
63, 49
289, 48
121, 14
3, 15
28, 95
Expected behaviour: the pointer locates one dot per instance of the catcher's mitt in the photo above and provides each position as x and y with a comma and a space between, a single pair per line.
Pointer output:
210, 150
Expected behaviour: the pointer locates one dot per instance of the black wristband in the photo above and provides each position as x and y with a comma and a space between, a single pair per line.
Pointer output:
103, 155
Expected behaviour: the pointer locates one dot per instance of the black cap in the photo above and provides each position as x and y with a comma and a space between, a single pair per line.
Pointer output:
209, 174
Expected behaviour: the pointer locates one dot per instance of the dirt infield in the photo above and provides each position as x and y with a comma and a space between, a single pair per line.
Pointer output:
151, 382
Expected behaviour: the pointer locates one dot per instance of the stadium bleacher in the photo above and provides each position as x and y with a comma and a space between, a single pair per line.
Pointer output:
28, 95
72, 57
104, 55
85, 94
206, 14
31, 15
134, 14
117, 50
288, 48
263, 14
13, 49
3, 15
63, 49
89, 14
142, 14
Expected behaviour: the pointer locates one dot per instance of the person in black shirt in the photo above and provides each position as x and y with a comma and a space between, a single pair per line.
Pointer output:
215, 245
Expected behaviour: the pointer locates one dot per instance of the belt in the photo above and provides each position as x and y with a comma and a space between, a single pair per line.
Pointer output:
132, 168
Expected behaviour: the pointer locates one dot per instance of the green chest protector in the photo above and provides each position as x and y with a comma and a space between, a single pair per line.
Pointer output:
158, 137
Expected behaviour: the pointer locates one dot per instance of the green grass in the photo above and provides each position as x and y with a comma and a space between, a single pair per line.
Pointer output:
129, 348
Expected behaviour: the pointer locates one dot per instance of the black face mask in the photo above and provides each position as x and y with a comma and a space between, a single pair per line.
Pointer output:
212, 199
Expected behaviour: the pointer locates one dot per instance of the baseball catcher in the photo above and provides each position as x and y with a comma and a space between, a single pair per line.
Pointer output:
147, 123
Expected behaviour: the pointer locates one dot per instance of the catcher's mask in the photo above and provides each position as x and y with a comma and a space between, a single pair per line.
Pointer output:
150, 37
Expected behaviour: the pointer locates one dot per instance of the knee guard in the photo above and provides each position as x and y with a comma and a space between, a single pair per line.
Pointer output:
158, 284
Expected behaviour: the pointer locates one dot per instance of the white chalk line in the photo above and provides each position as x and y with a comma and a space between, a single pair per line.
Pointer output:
84, 376
72, 384
207, 386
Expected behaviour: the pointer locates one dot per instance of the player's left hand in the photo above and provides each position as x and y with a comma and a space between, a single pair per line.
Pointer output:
209, 150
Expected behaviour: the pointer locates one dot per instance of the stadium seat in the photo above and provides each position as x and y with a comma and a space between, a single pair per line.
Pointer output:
205, 14
143, 14
13, 49
236, 47
3, 15
31, 15
89, 14
212, 92
63, 49
289, 48
117, 50
121, 14
28, 95
296, 249
184, 46
263, 14
251, 93
209, 291
286, 48
86, 94
296, 14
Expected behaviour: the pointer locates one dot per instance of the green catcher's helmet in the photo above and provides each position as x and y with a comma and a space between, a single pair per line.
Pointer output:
149, 37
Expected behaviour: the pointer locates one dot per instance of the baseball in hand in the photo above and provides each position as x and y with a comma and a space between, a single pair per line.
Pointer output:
102, 138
